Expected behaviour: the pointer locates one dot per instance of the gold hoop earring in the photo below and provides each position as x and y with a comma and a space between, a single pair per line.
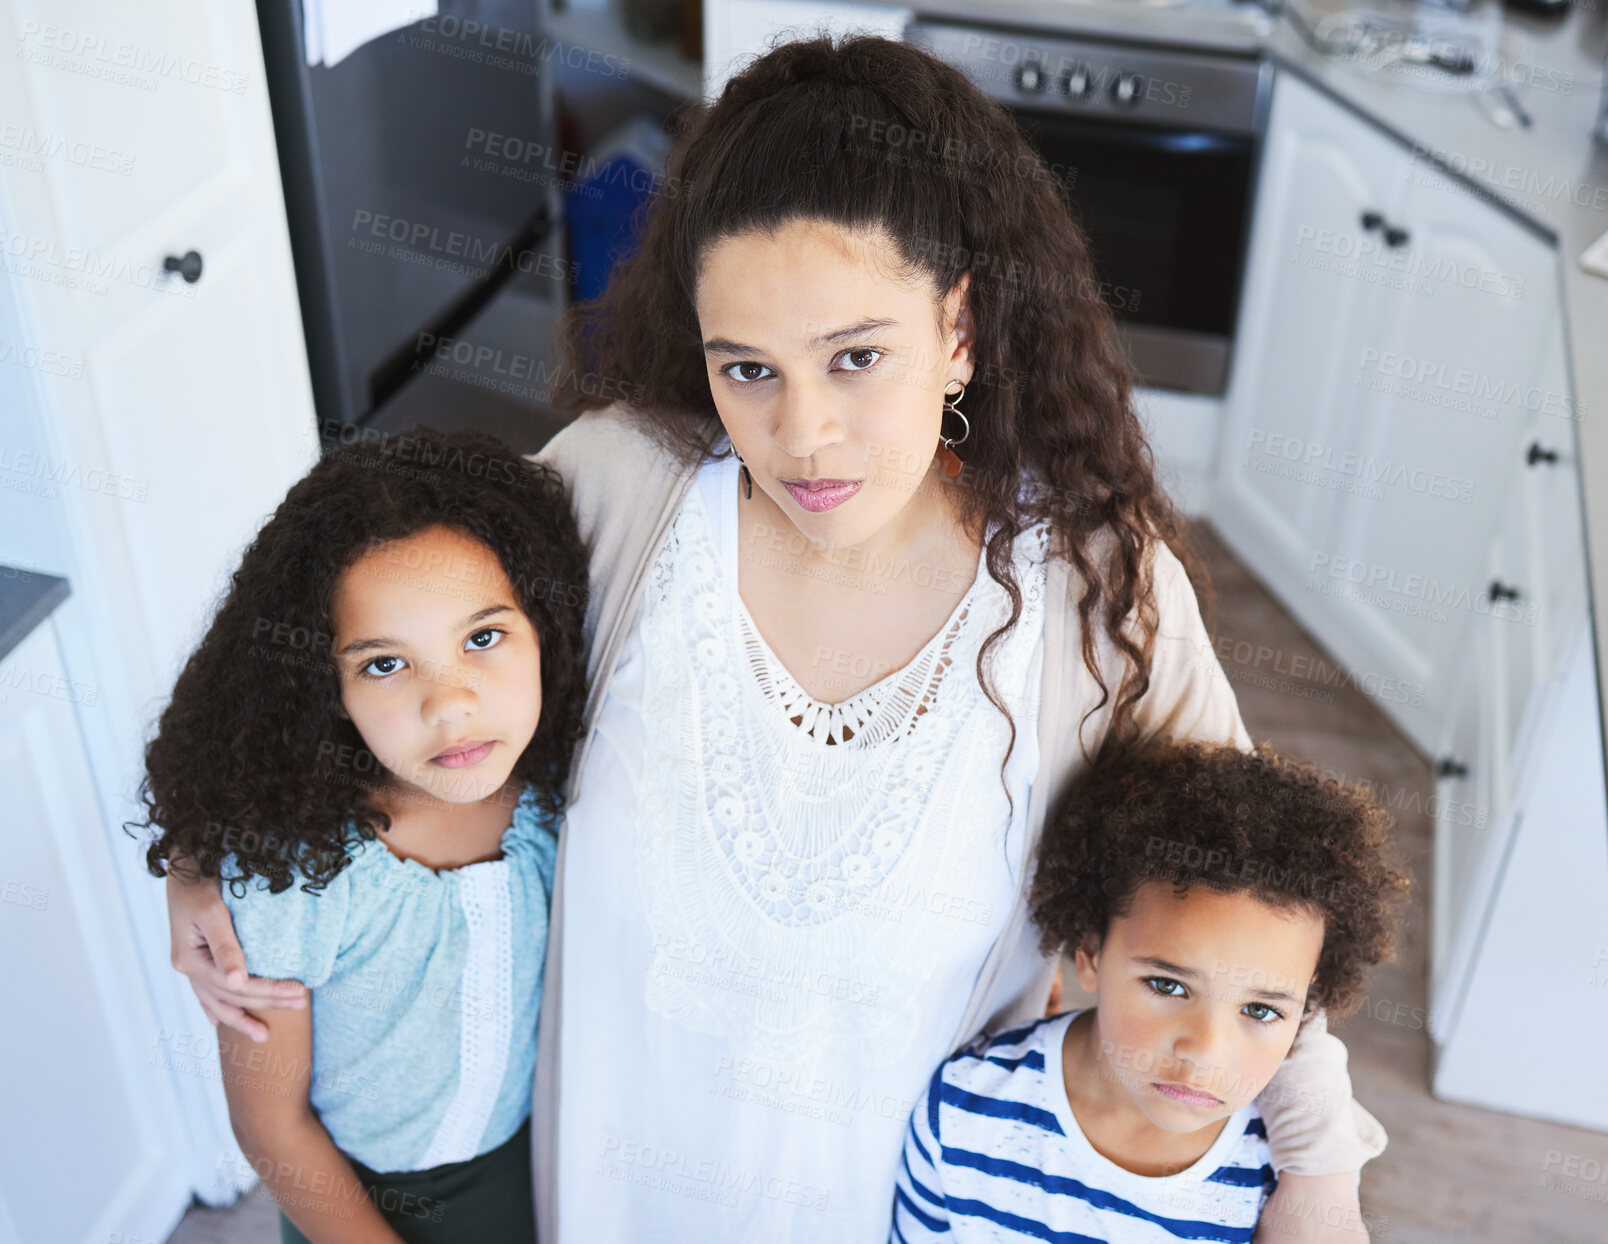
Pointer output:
946, 445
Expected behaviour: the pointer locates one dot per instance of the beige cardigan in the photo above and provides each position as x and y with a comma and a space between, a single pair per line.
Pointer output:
627, 489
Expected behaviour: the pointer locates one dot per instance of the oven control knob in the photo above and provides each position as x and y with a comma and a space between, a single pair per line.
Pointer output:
1078, 84
1126, 89
1030, 77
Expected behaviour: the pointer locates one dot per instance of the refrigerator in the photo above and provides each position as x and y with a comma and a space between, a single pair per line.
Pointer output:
415, 177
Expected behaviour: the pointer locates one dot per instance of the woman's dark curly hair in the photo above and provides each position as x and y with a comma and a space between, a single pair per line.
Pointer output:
1191, 813
868, 132
253, 754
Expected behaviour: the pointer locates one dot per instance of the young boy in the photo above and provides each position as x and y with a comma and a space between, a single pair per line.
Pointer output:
1212, 899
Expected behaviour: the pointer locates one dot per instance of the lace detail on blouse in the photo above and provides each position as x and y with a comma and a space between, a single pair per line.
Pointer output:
486, 1027
806, 867
887, 709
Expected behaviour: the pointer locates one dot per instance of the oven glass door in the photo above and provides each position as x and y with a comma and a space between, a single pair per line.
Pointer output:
1167, 216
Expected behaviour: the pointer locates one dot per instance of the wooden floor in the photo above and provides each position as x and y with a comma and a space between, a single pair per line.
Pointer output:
1452, 1174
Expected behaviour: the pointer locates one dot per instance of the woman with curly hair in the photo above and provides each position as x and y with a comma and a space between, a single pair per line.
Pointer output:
1212, 899
880, 561
368, 749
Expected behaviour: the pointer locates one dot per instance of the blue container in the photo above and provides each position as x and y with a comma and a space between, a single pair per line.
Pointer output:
628, 168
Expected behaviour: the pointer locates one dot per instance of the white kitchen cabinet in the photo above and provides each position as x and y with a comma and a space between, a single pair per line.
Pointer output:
1182, 430
1538, 561
1399, 412
1290, 414
1478, 300
1511, 624
196, 390
1374, 417
173, 417
1520, 1024
1508, 672
87, 1152
1556, 556
1474, 803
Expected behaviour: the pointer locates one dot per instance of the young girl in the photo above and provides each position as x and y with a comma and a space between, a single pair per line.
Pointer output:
369, 745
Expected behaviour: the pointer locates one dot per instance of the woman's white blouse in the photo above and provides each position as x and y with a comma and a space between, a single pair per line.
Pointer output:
776, 909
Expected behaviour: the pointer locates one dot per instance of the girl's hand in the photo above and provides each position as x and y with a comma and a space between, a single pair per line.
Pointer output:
206, 950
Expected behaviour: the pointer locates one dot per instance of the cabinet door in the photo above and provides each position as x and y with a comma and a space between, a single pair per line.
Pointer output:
1539, 572
195, 393
1290, 413
1550, 451
1512, 620
1538, 932
1508, 673
185, 415
1469, 810
1447, 361
90, 1149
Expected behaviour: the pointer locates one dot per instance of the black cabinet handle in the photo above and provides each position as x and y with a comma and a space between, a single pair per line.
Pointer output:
1395, 235
189, 267
1537, 454
1446, 767
1500, 591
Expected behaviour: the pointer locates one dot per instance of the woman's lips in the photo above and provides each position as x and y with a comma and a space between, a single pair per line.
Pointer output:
1186, 1096
464, 756
819, 495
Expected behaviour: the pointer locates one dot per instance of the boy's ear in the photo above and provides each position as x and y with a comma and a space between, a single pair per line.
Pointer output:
1087, 961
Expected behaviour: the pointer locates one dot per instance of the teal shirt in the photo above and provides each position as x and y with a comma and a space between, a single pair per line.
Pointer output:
426, 987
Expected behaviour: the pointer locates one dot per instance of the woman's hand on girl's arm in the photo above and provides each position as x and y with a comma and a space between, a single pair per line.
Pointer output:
310, 1178
206, 950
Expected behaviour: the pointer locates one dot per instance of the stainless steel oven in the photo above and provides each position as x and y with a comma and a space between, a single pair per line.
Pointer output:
1156, 149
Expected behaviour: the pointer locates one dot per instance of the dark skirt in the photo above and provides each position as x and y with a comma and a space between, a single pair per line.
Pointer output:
488, 1198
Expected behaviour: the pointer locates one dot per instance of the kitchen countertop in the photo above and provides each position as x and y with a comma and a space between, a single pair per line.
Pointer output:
27, 598
1552, 176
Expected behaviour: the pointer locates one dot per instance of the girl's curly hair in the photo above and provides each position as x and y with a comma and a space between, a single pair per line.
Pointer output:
868, 132
252, 754
1192, 813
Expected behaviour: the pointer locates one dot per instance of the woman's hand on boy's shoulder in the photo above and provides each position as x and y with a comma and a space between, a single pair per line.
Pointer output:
206, 951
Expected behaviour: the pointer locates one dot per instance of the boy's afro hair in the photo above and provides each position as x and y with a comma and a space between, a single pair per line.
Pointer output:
1191, 813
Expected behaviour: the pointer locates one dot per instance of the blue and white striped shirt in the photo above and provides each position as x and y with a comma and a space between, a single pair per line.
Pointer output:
994, 1153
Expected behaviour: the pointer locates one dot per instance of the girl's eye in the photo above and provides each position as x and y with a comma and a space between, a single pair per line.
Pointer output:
488, 638
1270, 1014
871, 356
726, 371
380, 667
1164, 985
849, 354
